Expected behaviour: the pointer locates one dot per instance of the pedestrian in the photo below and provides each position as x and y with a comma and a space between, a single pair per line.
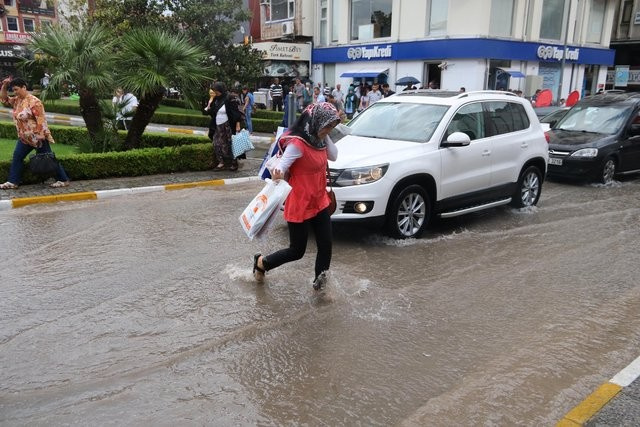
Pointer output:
298, 89
249, 101
375, 95
386, 92
318, 96
33, 131
327, 90
307, 95
125, 105
350, 103
306, 151
225, 122
337, 93
364, 98
275, 90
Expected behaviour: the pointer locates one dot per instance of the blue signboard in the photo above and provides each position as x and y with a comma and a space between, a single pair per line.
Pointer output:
463, 48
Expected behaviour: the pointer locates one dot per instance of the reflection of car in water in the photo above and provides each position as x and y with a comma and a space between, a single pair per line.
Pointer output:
598, 138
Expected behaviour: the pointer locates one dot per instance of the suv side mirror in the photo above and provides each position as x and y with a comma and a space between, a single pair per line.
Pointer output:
457, 139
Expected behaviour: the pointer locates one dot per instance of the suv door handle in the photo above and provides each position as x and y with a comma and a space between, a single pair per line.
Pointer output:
486, 153
524, 145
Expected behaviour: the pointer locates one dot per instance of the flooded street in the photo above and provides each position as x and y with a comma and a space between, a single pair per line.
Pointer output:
142, 310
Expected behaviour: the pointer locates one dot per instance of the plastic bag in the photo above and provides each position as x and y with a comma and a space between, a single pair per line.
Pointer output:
265, 204
274, 149
241, 143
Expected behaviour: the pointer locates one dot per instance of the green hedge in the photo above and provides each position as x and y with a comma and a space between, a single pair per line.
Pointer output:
263, 120
267, 114
169, 102
72, 135
147, 161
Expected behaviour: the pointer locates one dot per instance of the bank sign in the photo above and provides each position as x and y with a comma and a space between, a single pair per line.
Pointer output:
374, 52
552, 52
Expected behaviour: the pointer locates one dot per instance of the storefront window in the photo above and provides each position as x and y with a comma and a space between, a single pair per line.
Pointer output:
12, 24
281, 9
438, 14
552, 19
596, 21
370, 19
501, 18
626, 12
335, 20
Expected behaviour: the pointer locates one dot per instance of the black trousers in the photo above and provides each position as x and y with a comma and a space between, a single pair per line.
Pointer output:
276, 103
298, 236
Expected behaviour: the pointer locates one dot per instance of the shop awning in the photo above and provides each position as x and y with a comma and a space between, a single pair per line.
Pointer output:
516, 74
367, 72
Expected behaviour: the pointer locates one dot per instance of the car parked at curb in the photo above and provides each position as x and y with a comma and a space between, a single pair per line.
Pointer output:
424, 153
597, 139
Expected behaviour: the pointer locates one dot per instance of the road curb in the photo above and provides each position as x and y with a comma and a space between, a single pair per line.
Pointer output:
593, 403
108, 194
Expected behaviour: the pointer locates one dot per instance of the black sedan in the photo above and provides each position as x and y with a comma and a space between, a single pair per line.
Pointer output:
597, 139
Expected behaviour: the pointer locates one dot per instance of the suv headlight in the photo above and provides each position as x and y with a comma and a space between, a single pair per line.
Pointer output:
586, 152
358, 176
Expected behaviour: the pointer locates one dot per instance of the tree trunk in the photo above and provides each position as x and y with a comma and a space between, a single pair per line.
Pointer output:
90, 110
142, 117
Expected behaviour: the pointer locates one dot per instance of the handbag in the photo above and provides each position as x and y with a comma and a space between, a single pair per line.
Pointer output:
332, 196
43, 164
241, 143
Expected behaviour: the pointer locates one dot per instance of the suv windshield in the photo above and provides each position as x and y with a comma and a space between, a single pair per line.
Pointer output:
402, 121
607, 119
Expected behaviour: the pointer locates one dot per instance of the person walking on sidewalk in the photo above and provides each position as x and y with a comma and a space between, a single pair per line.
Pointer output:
306, 150
248, 107
33, 131
225, 121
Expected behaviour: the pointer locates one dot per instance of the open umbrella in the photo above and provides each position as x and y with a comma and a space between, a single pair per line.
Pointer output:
408, 80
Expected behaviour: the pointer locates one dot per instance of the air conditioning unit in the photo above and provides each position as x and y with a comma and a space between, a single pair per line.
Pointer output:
287, 28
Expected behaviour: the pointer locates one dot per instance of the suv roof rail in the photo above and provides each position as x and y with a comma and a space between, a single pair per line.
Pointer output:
495, 92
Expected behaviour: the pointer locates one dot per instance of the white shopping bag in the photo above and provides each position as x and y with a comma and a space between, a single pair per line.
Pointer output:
262, 207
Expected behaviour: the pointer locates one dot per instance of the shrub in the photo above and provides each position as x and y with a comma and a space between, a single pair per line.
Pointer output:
267, 114
179, 103
146, 161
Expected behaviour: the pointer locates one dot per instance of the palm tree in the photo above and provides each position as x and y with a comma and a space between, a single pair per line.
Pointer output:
82, 57
150, 60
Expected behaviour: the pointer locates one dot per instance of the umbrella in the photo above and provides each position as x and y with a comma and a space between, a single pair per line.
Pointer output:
408, 80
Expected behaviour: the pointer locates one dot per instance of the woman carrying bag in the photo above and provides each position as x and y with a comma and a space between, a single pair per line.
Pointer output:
225, 121
306, 151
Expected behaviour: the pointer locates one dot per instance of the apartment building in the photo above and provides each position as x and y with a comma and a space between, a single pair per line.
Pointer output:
562, 45
18, 19
625, 39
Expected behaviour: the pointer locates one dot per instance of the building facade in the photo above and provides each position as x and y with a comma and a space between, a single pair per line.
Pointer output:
561, 45
20, 18
625, 39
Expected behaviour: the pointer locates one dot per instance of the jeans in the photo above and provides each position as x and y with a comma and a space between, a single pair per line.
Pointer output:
298, 235
20, 153
247, 116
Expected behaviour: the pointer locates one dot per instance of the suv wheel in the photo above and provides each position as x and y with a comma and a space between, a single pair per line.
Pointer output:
529, 187
608, 170
409, 213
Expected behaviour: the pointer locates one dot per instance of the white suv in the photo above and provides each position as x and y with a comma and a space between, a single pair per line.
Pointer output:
423, 153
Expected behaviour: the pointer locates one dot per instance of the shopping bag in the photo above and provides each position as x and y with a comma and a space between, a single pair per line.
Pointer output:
258, 212
241, 143
274, 149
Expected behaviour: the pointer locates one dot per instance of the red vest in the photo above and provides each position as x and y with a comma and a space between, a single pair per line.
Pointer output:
307, 177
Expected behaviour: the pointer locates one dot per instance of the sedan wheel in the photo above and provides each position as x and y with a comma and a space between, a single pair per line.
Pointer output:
608, 170
409, 213
529, 188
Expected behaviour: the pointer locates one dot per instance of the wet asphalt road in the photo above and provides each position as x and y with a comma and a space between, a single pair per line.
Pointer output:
142, 310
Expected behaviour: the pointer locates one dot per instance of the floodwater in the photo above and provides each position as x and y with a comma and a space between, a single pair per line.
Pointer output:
141, 310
